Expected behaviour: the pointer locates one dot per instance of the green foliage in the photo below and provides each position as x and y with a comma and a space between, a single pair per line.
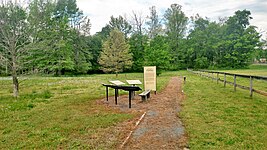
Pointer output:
156, 54
82, 53
14, 36
59, 43
115, 56
240, 40
118, 23
138, 44
95, 45
46, 94
176, 22
228, 45
154, 25
121, 24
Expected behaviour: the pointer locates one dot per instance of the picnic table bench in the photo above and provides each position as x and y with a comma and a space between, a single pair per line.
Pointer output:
145, 95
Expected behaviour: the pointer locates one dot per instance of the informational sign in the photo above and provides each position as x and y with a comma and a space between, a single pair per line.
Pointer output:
117, 82
133, 82
150, 78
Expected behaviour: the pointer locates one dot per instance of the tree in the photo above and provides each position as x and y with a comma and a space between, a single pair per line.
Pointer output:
137, 22
95, 45
59, 41
115, 56
82, 52
138, 43
201, 43
13, 38
156, 54
175, 21
154, 25
53, 51
240, 40
228, 44
121, 24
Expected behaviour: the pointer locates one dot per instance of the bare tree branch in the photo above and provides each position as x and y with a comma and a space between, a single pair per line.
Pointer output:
138, 21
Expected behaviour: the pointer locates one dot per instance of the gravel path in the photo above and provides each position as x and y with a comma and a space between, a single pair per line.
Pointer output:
161, 128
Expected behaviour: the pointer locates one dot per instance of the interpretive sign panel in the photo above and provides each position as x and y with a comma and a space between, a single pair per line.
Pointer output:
133, 82
150, 78
117, 82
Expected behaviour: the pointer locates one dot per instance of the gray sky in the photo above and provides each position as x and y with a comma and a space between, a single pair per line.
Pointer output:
99, 11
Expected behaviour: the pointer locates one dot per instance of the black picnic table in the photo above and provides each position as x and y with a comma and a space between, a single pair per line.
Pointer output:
130, 89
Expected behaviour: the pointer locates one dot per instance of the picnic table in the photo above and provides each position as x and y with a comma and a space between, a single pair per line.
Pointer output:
119, 85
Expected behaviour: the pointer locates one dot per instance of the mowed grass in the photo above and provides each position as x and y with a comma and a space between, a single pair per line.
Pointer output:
62, 113
257, 69
219, 118
254, 70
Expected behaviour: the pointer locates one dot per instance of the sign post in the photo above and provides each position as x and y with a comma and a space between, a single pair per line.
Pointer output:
150, 78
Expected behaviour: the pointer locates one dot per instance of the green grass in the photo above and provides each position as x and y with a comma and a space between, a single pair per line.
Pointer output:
256, 70
259, 70
61, 113
219, 118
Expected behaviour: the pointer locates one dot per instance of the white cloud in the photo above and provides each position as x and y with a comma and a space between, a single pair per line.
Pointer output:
99, 11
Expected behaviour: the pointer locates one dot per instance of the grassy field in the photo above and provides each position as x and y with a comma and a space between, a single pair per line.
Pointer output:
219, 118
61, 113
256, 70
259, 70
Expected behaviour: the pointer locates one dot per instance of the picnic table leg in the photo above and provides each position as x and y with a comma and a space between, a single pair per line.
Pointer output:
107, 92
116, 96
133, 91
132, 94
130, 98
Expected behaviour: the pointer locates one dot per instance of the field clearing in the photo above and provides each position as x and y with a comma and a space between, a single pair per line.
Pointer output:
258, 70
219, 118
60, 112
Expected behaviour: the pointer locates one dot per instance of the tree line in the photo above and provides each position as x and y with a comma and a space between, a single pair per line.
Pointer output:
53, 37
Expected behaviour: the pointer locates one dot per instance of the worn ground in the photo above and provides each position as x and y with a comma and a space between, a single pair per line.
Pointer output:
161, 128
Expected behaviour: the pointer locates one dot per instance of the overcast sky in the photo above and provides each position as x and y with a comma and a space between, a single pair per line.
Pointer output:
99, 11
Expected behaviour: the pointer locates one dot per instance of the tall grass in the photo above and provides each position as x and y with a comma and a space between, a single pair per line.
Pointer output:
61, 113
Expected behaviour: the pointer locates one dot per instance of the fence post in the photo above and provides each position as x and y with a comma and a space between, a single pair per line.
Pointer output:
251, 86
234, 82
224, 82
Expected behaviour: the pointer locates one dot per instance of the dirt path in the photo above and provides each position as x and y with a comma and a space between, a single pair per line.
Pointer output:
161, 127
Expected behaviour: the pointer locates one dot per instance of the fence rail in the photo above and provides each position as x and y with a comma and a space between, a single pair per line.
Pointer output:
210, 74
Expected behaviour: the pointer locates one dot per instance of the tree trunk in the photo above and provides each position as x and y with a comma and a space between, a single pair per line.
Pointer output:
15, 86
6, 68
15, 78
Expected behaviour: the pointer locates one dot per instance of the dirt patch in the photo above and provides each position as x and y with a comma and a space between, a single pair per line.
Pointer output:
161, 128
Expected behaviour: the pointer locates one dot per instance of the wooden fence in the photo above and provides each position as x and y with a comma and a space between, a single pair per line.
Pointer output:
214, 75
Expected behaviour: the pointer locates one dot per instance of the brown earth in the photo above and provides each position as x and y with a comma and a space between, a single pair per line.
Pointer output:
161, 128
